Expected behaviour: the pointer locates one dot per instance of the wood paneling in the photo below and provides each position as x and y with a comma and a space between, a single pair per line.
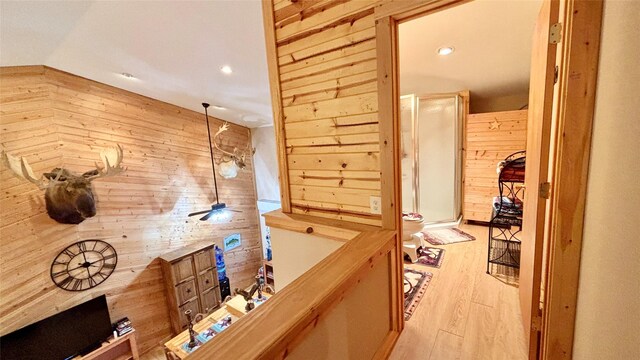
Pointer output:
485, 148
324, 63
54, 118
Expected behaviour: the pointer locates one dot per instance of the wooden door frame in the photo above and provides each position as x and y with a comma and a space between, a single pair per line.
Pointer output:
276, 104
573, 115
573, 112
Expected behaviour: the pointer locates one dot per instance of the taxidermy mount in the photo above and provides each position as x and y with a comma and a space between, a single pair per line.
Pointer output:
231, 161
69, 197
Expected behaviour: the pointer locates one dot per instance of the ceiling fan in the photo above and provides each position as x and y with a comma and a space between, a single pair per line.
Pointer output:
219, 210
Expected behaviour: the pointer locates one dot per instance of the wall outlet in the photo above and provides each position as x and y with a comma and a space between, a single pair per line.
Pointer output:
375, 204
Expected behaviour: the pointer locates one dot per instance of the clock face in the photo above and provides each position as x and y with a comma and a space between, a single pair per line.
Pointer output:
84, 265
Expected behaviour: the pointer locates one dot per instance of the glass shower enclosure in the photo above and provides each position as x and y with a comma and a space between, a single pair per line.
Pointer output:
431, 164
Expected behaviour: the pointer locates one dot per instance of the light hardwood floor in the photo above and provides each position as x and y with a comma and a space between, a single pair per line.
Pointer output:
157, 353
465, 313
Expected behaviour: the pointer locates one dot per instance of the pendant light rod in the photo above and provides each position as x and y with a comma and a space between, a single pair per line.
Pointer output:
213, 166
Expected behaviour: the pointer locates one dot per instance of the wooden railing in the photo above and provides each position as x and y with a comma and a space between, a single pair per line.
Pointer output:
290, 317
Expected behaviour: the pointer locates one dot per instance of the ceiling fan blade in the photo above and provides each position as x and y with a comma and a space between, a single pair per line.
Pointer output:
206, 217
199, 212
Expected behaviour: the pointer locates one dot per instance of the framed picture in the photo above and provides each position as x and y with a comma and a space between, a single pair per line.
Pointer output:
231, 242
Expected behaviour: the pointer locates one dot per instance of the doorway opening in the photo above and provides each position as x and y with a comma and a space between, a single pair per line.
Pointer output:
464, 75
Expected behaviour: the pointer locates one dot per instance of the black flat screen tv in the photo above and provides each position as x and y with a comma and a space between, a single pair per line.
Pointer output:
76, 331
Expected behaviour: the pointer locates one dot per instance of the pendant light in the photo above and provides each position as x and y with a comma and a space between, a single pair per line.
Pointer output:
218, 211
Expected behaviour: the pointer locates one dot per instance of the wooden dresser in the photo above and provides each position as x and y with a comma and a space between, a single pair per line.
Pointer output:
191, 282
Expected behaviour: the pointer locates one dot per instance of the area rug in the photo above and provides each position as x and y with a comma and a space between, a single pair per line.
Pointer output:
446, 236
415, 285
430, 256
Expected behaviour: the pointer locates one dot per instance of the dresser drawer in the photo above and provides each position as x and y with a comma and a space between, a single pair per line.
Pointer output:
207, 280
183, 269
191, 282
186, 291
191, 305
210, 300
204, 260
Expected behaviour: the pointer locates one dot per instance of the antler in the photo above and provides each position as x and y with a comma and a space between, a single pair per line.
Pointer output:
237, 156
224, 127
21, 168
111, 158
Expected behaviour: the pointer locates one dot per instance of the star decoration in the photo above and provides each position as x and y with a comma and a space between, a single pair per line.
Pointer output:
495, 125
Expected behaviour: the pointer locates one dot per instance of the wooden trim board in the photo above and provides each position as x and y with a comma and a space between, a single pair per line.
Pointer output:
276, 104
386, 53
305, 224
539, 127
390, 173
577, 91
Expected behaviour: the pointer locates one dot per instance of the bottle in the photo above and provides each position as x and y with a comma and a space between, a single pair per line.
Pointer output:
269, 254
222, 269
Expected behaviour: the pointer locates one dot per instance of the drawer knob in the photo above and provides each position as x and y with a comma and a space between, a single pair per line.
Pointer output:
309, 230
206, 281
188, 291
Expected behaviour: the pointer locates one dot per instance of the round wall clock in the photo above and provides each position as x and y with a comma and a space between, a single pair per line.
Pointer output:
83, 265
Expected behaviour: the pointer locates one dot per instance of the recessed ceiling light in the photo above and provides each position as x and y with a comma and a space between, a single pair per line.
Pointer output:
226, 69
218, 107
446, 50
127, 75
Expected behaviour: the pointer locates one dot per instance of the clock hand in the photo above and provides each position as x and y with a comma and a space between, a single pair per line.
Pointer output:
91, 263
81, 266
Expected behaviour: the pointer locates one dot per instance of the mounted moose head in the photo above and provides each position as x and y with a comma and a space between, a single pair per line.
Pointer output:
231, 161
69, 197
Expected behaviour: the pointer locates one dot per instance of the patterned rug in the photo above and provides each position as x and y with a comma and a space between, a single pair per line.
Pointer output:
415, 285
430, 256
446, 236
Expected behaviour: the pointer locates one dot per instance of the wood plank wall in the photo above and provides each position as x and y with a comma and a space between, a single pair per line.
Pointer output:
54, 118
327, 77
485, 147
326, 62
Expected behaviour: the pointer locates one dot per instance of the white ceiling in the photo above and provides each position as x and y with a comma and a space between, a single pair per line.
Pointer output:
492, 41
174, 49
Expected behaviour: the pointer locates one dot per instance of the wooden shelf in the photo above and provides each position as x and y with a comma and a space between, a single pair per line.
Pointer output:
267, 270
121, 348
124, 357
